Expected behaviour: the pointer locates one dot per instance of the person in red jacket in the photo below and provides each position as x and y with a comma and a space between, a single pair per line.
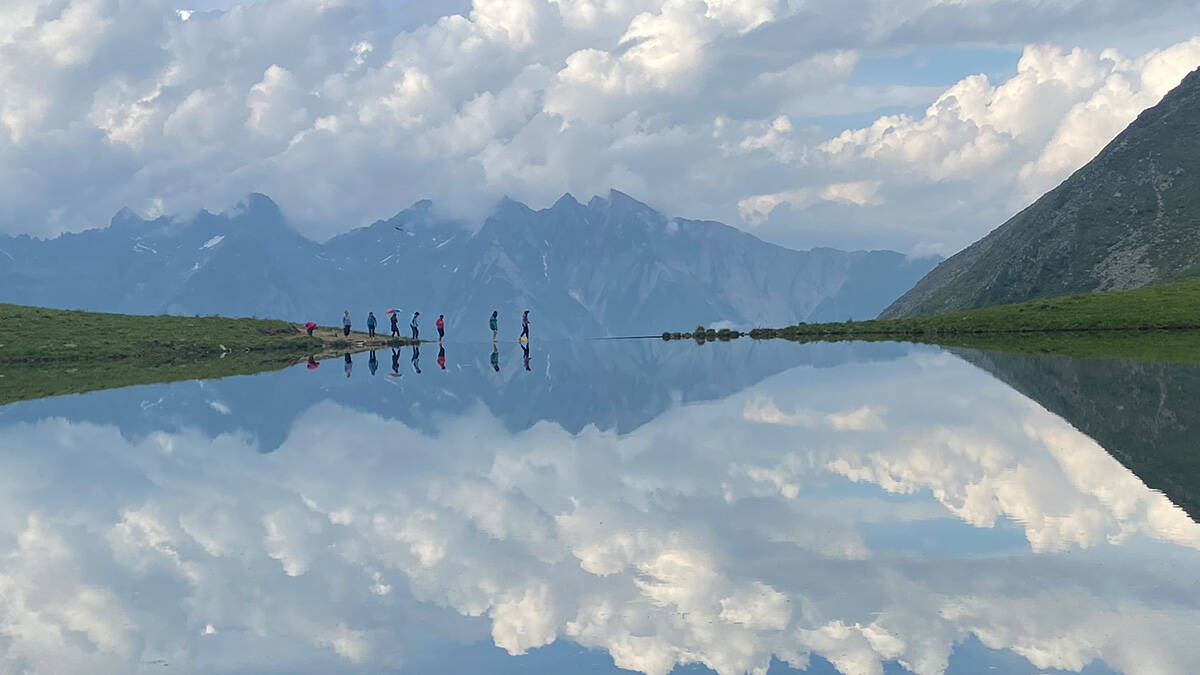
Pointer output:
441, 326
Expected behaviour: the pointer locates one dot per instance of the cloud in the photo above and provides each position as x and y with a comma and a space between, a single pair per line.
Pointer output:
348, 111
1014, 139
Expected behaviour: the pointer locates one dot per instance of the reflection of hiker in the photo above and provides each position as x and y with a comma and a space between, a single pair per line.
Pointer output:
525, 325
310, 327
373, 363
442, 357
416, 358
312, 363
395, 363
415, 324
525, 348
395, 325
346, 323
495, 357
371, 323
441, 326
349, 365
494, 324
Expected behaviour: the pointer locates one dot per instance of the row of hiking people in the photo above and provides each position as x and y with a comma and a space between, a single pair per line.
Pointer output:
415, 324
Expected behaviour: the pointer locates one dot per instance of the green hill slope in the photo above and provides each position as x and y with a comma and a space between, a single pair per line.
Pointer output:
1129, 218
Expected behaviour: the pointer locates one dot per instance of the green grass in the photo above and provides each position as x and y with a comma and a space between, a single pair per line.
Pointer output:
36, 334
51, 352
1174, 306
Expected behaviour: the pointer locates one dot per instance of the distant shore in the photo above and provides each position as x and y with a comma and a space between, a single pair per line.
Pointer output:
1156, 322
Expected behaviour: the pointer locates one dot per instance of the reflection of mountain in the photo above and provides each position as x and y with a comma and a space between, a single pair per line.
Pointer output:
1144, 414
869, 514
614, 385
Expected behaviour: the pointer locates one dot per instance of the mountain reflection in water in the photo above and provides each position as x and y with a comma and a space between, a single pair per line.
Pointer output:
840, 507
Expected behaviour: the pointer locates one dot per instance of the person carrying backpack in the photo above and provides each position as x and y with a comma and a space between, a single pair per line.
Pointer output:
494, 323
415, 324
395, 326
371, 323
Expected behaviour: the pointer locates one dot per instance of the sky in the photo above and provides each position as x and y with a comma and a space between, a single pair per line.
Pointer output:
916, 125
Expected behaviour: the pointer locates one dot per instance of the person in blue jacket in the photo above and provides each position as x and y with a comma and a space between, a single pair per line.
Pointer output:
371, 323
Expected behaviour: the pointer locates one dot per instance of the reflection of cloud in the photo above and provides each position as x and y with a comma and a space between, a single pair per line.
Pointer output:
698, 538
763, 410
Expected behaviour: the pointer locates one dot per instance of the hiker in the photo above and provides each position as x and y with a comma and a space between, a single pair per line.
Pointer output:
442, 356
349, 365
346, 324
525, 348
395, 325
373, 363
415, 324
395, 363
495, 357
371, 323
525, 325
494, 323
310, 327
416, 358
441, 326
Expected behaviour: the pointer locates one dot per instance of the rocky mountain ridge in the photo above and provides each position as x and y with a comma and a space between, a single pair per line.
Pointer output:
612, 266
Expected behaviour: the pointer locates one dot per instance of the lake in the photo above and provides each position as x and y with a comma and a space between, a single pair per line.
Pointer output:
760, 507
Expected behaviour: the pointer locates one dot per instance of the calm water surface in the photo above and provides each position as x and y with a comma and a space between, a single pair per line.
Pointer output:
744, 507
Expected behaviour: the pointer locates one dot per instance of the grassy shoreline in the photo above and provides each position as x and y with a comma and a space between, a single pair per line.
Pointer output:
1156, 323
52, 352
1168, 307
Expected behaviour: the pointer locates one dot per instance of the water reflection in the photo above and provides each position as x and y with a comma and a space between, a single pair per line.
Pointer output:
848, 505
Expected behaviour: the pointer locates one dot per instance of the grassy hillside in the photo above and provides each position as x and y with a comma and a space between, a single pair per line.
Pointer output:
49, 352
36, 334
1173, 306
1129, 218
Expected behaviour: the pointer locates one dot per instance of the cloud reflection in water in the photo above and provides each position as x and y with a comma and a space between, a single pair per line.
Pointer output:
719, 533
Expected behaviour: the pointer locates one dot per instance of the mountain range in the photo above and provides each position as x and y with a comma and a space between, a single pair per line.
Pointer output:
612, 266
1128, 218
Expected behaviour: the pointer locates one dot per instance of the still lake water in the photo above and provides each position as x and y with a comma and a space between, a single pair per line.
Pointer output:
743, 507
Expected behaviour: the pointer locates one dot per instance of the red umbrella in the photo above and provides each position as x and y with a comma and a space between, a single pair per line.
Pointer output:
312, 364
390, 311
310, 325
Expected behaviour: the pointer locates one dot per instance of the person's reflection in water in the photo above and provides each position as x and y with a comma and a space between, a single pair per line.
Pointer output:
395, 363
525, 349
312, 363
442, 356
349, 365
416, 358
373, 363
495, 357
